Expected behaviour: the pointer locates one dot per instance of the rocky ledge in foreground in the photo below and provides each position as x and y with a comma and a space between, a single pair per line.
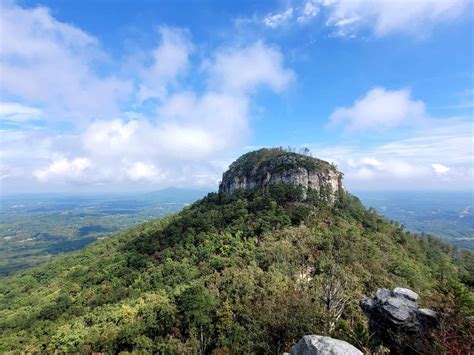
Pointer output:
397, 322
265, 167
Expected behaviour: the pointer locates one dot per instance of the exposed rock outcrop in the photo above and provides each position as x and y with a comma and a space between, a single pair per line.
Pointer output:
396, 321
265, 167
321, 345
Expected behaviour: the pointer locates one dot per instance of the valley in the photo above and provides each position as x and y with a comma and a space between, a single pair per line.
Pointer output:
35, 228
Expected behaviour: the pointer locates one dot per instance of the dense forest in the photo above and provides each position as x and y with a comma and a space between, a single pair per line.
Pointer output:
240, 273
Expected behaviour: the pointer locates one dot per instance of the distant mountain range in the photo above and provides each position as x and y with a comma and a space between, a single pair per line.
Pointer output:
174, 195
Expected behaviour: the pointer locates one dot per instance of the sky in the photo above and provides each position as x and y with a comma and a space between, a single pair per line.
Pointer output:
140, 95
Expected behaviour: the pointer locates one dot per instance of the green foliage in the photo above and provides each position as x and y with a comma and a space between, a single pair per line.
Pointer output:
455, 304
279, 159
196, 304
231, 274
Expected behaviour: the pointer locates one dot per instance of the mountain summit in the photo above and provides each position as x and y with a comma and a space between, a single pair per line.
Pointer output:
282, 251
265, 167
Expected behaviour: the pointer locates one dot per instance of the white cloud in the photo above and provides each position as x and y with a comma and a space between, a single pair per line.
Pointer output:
143, 171
51, 69
238, 70
440, 168
346, 22
302, 14
190, 136
371, 162
276, 20
448, 140
13, 111
21, 150
346, 18
380, 109
225, 118
408, 163
388, 17
170, 60
188, 127
5, 173
48, 62
118, 145
185, 140
309, 11
63, 169
112, 138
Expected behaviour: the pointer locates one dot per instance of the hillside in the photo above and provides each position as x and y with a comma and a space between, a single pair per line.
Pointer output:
240, 271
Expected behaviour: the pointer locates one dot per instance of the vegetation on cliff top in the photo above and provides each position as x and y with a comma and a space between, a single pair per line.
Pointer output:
245, 273
278, 159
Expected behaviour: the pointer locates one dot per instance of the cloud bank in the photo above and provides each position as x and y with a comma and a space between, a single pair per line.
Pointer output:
380, 109
182, 138
73, 123
347, 18
50, 64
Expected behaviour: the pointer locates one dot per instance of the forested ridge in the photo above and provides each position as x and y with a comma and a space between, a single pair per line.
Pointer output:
240, 273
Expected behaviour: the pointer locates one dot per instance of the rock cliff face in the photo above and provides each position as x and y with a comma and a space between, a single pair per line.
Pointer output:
265, 167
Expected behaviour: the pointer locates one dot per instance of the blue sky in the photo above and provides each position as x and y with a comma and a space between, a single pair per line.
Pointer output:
139, 95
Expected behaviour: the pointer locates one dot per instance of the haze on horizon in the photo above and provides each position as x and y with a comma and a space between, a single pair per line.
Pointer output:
151, 96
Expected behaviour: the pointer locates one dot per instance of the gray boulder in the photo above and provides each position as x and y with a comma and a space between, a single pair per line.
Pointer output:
321, 345
396, 321
407, 293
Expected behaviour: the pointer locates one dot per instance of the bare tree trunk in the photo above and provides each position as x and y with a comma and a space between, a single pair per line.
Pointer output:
202, 341
333, 298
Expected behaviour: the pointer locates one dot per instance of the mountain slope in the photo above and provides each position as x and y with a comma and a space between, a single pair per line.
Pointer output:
241, 272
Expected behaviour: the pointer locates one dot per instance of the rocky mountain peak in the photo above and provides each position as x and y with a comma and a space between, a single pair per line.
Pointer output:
264, 167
